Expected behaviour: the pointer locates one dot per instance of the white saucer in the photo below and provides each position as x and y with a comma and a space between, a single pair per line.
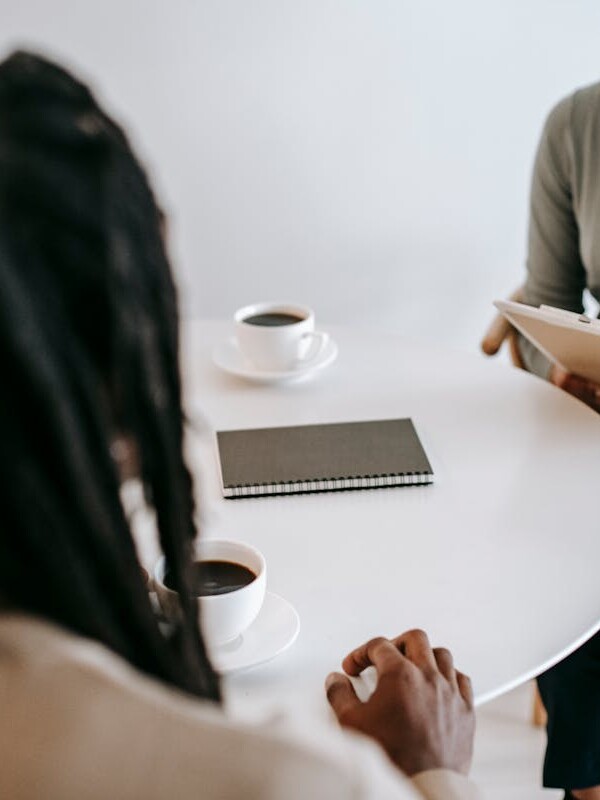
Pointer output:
274, 630
228, 357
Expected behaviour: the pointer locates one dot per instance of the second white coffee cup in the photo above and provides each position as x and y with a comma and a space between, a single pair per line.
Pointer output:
226, 615
278, 336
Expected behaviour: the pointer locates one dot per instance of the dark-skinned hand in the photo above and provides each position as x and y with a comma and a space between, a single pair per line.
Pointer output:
421, 711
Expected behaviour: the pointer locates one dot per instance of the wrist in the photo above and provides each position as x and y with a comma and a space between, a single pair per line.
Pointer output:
445, 784
428, 762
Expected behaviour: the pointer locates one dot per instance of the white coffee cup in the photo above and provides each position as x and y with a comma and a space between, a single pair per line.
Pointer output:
224, 616
289, 341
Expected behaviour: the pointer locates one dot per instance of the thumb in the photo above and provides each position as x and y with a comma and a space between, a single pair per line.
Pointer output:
342, 697
559, 376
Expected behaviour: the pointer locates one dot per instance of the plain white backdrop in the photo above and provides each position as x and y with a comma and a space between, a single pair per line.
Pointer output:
370, 158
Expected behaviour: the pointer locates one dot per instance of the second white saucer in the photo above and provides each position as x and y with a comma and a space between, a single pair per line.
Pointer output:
229, 358
274, 630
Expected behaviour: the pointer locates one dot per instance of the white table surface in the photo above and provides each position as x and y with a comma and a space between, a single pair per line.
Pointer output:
498, 560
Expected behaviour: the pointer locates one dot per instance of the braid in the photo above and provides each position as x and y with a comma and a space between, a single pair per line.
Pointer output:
88, 334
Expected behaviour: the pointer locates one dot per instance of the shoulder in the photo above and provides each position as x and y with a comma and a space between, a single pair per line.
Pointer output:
558, 119
573, 113
569, 136
587, 100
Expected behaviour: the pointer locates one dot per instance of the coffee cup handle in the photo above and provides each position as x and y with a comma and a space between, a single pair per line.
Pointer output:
317, 342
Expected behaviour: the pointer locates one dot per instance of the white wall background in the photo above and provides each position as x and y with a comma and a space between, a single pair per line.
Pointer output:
368, 157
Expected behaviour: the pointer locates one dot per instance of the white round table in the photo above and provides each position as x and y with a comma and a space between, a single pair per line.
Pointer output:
498, 560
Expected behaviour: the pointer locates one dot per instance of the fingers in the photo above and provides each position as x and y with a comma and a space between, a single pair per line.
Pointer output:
586, 391
379, 653
465, 688
415, 646
445, 664
580, 387
571, 383
387, 655
341, 696
559, 376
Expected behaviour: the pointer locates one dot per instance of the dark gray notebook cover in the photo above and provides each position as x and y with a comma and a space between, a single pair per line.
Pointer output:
312, 454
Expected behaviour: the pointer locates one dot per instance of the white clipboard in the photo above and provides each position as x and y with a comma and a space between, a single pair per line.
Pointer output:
570, 340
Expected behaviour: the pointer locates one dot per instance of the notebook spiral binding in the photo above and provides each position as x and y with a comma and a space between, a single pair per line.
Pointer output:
329, 485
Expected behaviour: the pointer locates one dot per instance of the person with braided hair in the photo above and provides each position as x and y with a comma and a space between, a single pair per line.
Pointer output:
95, 700
88, 346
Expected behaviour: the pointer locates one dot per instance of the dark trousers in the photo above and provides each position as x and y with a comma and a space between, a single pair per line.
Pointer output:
571, 694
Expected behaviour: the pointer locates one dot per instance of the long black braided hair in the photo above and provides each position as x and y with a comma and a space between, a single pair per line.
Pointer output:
88, 346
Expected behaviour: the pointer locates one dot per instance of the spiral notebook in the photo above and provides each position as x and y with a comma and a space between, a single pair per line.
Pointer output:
320, 458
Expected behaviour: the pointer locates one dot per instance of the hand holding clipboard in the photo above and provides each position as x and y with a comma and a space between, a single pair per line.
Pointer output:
569, 340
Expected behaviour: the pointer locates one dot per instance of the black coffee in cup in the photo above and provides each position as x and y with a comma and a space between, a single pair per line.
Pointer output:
216, 577
272, 319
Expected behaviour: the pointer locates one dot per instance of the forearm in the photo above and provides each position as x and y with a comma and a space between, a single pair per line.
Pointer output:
555, 272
